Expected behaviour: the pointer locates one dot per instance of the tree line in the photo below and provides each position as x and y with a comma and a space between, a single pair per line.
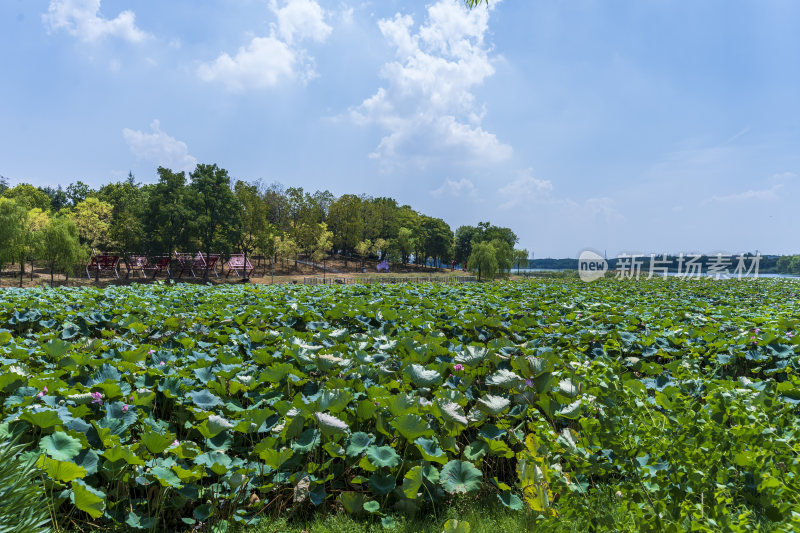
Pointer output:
206, 210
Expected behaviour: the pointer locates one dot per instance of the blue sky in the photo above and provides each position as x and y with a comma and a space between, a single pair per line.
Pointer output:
626, 126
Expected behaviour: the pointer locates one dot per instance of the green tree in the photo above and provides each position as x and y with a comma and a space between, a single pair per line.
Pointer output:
463, 242
12, 228
168, 215
346, 221
504, 254
363, 249
58, 198
3, 184
127, 228
437, 239
78, 192
59, 245
29, 197
521, 259
323, 245
483, 259
92, 217
216, 211
35, 220
255, 230
404, 243
285, 248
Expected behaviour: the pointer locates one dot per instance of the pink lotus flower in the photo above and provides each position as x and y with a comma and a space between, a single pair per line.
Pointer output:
528, 383
458, 367
162, 363
151, 352
43, 392
98, 397
175, 442
125, 408
790, 334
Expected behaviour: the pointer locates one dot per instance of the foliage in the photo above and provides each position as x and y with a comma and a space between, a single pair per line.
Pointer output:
12, 229
92, 218
59, 246
23, 507
146, 402
483, 259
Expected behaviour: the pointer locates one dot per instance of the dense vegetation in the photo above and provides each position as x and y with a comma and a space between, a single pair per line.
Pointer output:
168, 406
211, 213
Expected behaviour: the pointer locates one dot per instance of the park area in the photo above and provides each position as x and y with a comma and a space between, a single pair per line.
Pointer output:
539, 405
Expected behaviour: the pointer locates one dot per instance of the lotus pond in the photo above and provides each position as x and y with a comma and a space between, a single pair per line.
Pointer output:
173, 407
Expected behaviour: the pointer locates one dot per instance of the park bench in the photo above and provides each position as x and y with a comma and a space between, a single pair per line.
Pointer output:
103, 263
138, 263
199, 264
238, 262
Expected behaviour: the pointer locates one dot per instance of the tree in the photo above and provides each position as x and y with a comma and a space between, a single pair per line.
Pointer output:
323, 245
504, 255
29, 197
168, 219
12, 227
363, 249
483, 259
463, 242
3, 184
404, 243
285, 248
217, 216
59, 245
92, 217
521, 259
35, 220
128, 203
58, 198
438, 239
255, 228
78, 192
346, 222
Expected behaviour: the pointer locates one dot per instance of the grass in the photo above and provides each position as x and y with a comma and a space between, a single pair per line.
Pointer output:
484, 515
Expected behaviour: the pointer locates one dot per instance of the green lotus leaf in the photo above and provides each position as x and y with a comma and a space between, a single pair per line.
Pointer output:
382, 484
275, 458
124, 453
422, 377
567, 388
213, 426
204, 399
61, 446
56, 348
44, 418
306, 441
352, 502
411, 426
383, 456
475, 450
472, 355
372, 506
330, 425
326, 362
412, 482
504, 378
430, 451
510, 500
359, 442
88, 499
64, 471
456, 526
460, 477
156, 442
452, 412
493, 405
571, 411
165, 476
334, 400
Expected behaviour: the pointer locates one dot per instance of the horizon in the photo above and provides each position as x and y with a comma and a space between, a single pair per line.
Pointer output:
619, 127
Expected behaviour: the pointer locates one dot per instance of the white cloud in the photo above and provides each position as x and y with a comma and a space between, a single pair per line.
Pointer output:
159, 148
263, 63
524, 189
751, 194
453, 188
304, 19
427, 108
82, 19
266, 61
